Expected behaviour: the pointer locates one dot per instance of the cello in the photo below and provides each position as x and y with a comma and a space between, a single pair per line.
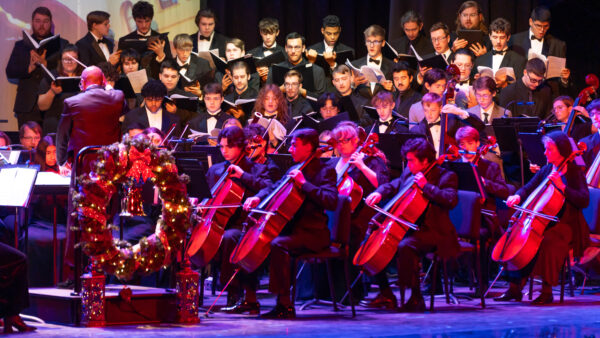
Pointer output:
212, 217
448, 95
582, 98
399, 215
520, 243
345, 184
275, 211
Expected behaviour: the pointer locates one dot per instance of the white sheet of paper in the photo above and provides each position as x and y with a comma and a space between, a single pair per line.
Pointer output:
138, 79
16, 186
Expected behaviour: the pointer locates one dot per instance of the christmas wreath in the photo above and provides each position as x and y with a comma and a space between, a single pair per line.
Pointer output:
131, 162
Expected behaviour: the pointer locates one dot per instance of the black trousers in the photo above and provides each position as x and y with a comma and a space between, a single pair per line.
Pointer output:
410, 251
298, 242
14, 293
231, 238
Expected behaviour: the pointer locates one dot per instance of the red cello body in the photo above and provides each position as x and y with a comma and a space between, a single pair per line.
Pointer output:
279, 208
208, 233
408, 205
519, 244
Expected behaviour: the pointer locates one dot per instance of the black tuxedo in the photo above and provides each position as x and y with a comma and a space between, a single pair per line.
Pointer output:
353, 104
510, 59
516, 92
197, 69
386, 68
454, 123
89, 50
405, 100
593, 147
25, 107
249, 93
259, 51
552, 46
147, 55
218, 41
422, 45
140, 117
319, 47
298, 107
318, 77
199, 122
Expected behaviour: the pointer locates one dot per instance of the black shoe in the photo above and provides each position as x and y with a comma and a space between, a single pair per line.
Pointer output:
280, 312
414, 304
232, 299
243, 306
509, 295
543, 299
381, 301
66, 284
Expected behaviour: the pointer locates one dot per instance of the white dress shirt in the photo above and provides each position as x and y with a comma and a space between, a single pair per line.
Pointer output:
155, 119
328, 49
374, 65
382, 127
103, 47
204, 45
488, 112
268, 52
183, 71
496, 61
436, 132
536, 45
211, 122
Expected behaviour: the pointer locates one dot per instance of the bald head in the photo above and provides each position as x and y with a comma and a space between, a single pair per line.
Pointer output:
92, 76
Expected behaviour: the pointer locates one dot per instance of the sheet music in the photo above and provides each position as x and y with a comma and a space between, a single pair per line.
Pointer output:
137, 79
16, 183
47, 178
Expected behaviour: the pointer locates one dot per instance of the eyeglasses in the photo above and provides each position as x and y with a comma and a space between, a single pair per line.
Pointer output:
294, 84
535, 81
373, 42
541, 26
345, 140
439, 39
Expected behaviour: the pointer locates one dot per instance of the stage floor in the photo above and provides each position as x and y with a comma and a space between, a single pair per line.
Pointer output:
577, 317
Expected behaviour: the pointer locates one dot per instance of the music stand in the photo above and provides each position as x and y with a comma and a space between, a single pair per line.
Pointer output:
507, 131
391, 145
283, 161
534, 148
213, 154
468, 177
197, 186
17, 184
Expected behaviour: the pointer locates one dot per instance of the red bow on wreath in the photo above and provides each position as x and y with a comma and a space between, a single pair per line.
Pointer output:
140, 164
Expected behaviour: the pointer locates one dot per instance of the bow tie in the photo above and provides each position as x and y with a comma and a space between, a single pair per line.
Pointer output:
429, 125
272, 49
103, 40
204, 38
386, 123
499, 52
463, 82
374, 61
534, 38
186, 66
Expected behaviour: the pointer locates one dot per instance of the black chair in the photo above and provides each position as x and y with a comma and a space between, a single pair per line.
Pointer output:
339, 225
466, 217
592, 217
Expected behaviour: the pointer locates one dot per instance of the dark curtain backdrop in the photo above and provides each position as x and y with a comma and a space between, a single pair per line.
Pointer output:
574, 21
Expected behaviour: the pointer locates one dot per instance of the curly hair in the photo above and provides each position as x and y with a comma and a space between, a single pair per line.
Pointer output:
282, 109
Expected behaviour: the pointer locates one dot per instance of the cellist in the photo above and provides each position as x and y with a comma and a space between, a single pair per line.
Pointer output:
571, 231
258, 142
493, 183
307, 231
592, 141
436, 232
253, 177
367, 171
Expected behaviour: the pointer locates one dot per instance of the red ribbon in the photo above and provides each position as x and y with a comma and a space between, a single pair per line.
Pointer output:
140, 164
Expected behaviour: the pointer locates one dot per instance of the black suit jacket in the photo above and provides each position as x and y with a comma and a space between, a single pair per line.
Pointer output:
199, 122
510, 59
405, 100
353, 104
454, 123
422, 45
318, 77
441, 191
28, 83
89, 50
139, 116
320, 193
219, 41
593, 147
494, 185
386, 68
259, 51
147, 55
552, 46
515, 92
320, 48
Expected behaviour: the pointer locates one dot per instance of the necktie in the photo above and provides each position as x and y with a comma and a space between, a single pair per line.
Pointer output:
534, 38
103, 40
204, 38
429, 125
374, 61
485, 118
289, 108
